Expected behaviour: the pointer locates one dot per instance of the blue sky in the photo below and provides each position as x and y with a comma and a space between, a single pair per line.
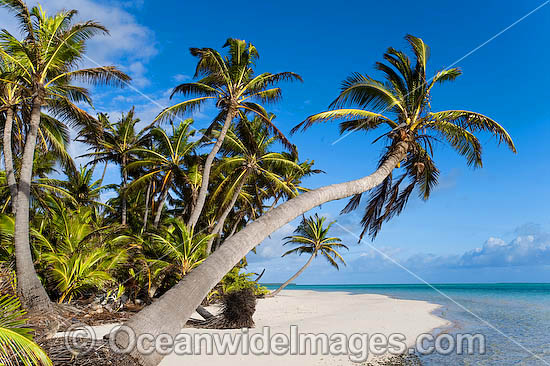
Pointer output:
489, 224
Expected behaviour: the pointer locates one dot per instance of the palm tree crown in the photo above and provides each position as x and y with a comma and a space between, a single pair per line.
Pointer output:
312, 238
232, 83
402, 104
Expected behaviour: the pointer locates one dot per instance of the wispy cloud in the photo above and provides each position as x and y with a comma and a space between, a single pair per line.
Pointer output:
181, 78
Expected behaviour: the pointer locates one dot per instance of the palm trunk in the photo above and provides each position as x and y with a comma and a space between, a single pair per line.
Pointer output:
104, 172
221, 221
182, 299
8, 157
201, 199
29, 288
293, 277
147, 198
273, 204
161, 206
234, 228
124, 202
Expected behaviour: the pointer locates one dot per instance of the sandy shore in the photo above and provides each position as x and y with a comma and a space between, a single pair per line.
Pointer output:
316, 312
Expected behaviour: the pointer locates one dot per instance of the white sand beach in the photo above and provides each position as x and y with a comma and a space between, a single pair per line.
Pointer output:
318, 312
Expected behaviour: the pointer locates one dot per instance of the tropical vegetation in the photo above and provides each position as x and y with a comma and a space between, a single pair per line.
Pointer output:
190, 203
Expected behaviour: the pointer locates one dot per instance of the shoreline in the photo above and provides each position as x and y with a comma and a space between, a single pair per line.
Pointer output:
318, 313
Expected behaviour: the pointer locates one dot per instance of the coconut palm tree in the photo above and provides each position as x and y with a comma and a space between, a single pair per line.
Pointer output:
46, 63
82, 188
248, 155
10, 99
16, 342
232, 83
411, 125
312, 238
117, 145
167, 159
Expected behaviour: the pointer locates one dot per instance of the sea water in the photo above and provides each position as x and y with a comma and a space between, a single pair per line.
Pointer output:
513, 318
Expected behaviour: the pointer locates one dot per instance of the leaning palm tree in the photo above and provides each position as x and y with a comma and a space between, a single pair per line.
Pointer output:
16, 343
411, 124
236, 89
312, 238
46, 63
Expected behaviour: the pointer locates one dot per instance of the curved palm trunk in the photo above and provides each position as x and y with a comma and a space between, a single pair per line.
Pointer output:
29, 288
161, 206
8, 157
293, 277
181, 300
104, 172
201, 199
221, 221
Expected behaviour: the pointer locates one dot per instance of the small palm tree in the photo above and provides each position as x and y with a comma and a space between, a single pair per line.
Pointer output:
236, 89
16, 343
176, 250
312, 238
77, 256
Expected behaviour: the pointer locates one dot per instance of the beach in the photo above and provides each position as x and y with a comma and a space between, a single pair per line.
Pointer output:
316, 312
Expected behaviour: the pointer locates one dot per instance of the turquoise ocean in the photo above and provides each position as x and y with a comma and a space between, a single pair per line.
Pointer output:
514, 318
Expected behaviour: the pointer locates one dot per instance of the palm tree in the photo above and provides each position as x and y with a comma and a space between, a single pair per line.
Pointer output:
82, 188
71, 244
233, 85
16, 341
407, 96
53, 135
168, 160
10, 98
46, 64
92, 135
312, 238
248, 156
117, 145
180, 246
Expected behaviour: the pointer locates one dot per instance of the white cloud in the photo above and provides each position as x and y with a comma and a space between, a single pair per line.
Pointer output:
128, 42
181, 77
273, 247
138, 72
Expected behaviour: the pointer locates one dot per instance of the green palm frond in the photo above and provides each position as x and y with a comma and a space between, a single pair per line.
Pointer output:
463, 141
16, 343
372, 119
474, 122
